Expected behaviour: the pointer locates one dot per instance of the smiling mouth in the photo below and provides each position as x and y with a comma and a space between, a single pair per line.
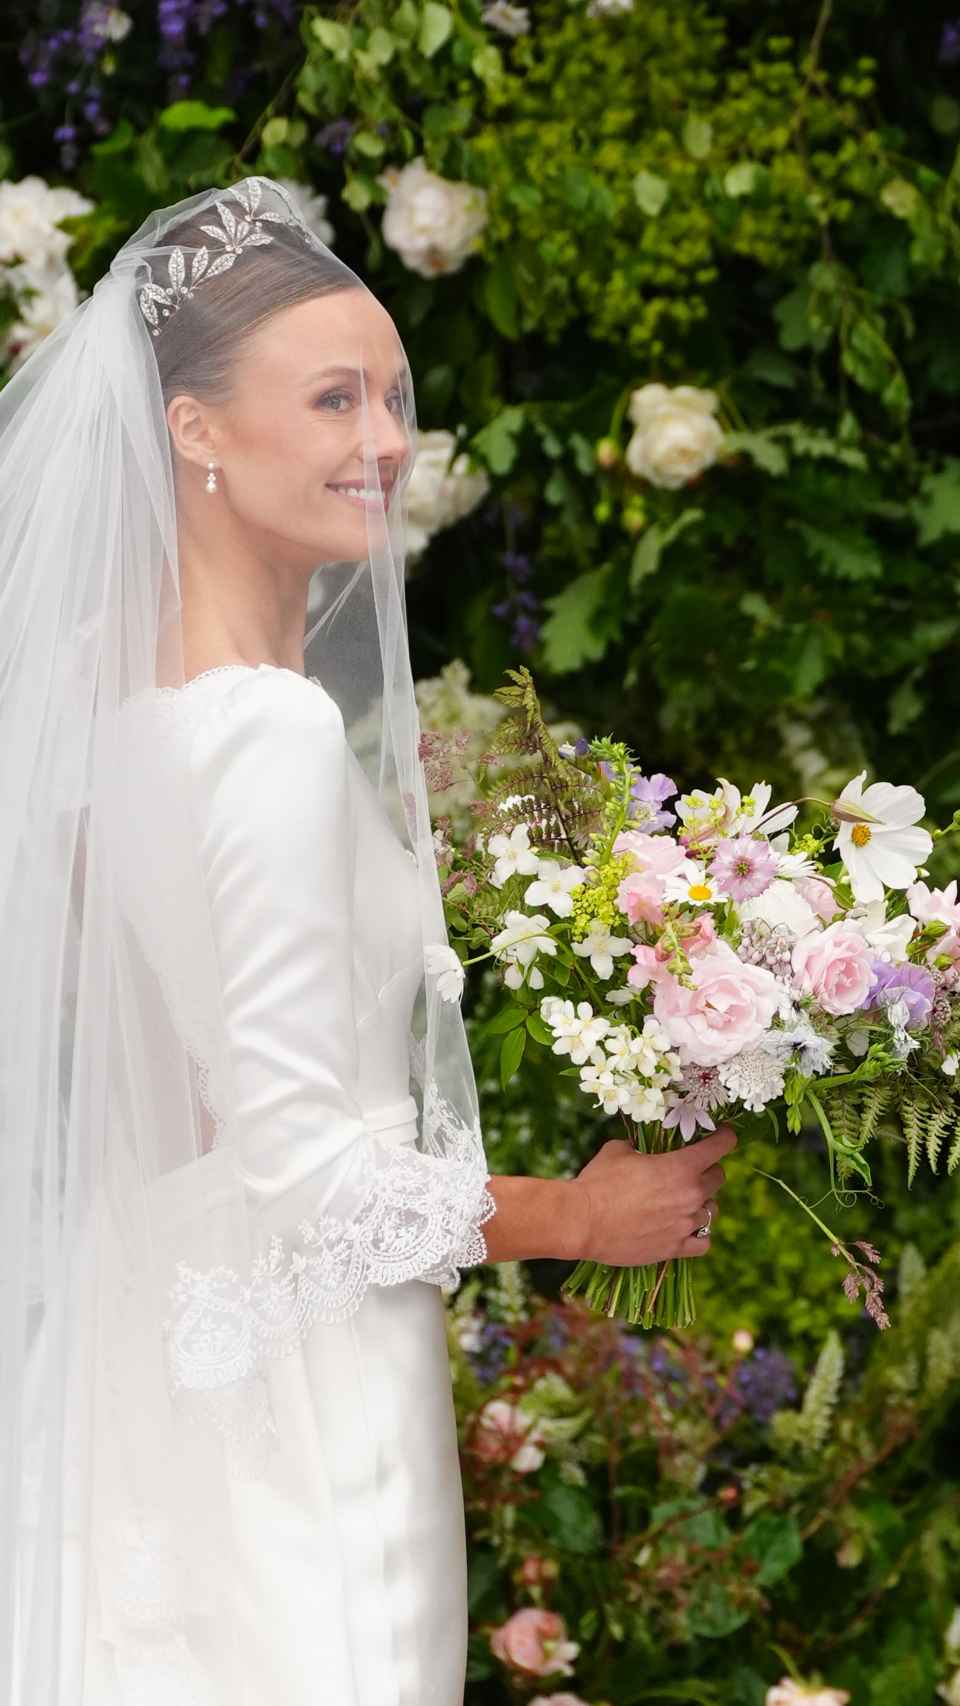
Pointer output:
364, 496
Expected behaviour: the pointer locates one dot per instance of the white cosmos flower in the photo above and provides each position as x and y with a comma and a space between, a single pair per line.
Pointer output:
692, 886
554, 886
439, 958
599, 947
878, 840
512, 853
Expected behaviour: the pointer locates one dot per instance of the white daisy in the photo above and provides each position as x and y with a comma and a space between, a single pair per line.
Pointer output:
878, 840
692, 886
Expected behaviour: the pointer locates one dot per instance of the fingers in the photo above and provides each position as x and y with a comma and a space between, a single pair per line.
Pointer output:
713, 1178
697, 1244
708, 1150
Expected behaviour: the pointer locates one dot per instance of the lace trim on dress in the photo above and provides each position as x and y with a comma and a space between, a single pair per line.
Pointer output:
419, 1218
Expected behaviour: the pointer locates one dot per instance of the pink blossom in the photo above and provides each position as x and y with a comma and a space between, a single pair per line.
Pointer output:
819, 895
534, 1643
655, 857
935, 905
835, 966
728, 1008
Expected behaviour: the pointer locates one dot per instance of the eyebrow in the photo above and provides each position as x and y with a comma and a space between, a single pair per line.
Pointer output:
324, 372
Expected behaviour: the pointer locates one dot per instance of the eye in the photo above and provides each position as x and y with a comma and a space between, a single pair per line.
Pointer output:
328, 395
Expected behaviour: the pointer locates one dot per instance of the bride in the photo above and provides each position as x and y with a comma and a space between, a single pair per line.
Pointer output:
241, 1155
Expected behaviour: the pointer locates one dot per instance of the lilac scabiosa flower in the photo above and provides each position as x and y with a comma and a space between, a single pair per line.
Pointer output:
743, 867
648, 794
913, 985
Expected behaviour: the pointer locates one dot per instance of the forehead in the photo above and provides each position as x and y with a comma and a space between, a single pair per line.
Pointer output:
349, 330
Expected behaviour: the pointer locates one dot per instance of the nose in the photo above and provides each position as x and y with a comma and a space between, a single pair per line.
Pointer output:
390, 442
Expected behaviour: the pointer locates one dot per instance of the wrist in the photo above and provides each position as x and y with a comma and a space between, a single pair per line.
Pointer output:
573, 1206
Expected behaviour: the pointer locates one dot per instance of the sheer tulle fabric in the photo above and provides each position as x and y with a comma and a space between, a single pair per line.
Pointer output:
187, 1190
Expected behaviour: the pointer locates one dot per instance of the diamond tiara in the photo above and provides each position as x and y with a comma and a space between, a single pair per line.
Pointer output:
233, 235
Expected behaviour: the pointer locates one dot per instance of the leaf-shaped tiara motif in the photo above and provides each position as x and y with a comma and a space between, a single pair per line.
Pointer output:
232, 235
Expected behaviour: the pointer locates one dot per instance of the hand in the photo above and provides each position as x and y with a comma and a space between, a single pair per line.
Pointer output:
637, 1208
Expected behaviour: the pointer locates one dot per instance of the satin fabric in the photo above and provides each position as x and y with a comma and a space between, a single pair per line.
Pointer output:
347, 1565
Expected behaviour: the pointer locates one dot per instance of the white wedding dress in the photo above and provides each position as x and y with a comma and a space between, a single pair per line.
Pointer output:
350, 1584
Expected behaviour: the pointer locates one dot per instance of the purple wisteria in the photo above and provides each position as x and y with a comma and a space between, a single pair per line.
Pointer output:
520, 606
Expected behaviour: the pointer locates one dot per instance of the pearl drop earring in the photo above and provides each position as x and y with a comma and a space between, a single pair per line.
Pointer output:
211, 477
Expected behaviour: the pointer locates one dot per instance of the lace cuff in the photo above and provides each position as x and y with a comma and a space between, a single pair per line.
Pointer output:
419, 1217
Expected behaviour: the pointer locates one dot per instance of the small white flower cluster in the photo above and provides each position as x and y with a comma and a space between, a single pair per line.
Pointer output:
517, 945
623, 1069
443, 489
33, 264
433, 224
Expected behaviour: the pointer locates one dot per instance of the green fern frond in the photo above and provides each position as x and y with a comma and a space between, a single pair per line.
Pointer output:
911, 1117
939, 1121
820, 1397
911, 1273
953, 1157
876, 1101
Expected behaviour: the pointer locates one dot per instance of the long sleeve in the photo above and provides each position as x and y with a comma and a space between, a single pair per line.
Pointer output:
336, 1208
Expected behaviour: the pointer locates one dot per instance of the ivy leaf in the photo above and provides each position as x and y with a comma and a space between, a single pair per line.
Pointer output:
435, 26
496, 443
334, 37
195, 115
567, 636
937, 510
511, 1053
567, 1514
652, 544
846, 552
761, 448
500, 297
650, 193
775, 1544
698, 136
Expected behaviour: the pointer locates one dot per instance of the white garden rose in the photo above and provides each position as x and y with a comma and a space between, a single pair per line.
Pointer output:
311, 208
787, 1693
509, 20
29, 214
443, 488
107, 21
608, 8
53, 295
676, 435
433, 224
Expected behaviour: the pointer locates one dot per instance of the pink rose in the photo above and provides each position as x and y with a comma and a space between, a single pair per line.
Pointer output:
935, 905
534, 1642
504, 1434
819, 895
558, 1700
727, 1009
655, 858
835, 966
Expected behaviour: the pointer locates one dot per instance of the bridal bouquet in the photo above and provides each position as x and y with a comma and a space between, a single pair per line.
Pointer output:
692, 958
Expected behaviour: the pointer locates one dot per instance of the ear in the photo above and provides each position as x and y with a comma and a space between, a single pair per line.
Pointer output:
191, 431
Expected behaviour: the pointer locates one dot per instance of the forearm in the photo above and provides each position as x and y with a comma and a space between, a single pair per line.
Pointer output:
534, 1218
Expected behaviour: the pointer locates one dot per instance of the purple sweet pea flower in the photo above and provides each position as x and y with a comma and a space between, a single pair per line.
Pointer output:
649, 794
908, 983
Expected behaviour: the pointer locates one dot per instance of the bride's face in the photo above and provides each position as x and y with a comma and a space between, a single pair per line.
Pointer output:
301, 426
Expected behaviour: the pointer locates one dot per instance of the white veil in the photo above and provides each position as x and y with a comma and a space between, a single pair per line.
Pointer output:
141, 1287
